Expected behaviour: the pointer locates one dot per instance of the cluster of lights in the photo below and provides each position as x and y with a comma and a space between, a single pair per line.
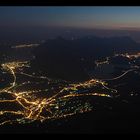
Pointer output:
25, 45
97, 62
54, 104
129, 56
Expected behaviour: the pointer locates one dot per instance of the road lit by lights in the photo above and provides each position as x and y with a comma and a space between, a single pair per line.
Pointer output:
58, 103
28, 102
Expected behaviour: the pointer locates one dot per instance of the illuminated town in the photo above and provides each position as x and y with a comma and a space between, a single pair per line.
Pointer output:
55, 103
38, 108
70, 69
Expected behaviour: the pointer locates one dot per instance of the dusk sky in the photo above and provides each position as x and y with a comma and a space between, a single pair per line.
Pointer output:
87, 17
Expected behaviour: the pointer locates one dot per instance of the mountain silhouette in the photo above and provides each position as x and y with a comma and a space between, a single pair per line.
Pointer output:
71, 59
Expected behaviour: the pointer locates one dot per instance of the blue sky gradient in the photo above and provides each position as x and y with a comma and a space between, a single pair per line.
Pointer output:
84, 16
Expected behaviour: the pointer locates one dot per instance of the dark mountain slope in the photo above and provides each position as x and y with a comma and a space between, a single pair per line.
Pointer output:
70, 59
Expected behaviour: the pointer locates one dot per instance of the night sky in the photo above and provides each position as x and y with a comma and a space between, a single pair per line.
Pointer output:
87, 17
34, 23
